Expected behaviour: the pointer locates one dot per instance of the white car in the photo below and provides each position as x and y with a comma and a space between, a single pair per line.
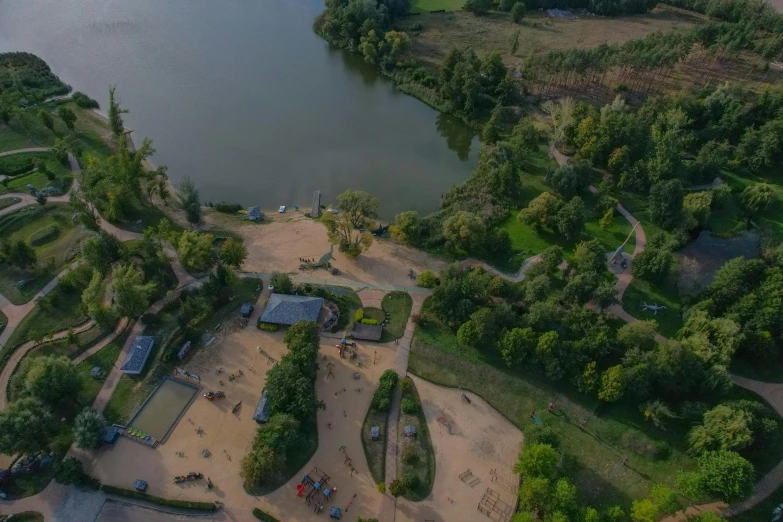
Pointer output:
332, 210
281, 209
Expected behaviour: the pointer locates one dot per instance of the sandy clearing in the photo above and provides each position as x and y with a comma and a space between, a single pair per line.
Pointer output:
481, 440
229, 436
278, 244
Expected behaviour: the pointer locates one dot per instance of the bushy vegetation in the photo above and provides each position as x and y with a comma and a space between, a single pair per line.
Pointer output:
26, 78
377, 415
228, 208
285, 443
182, 504
416, 464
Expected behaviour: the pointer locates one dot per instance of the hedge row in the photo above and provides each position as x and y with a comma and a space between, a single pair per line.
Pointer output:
184, 504
266, 517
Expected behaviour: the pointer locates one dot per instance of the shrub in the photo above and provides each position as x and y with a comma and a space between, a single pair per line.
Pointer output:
369, 321
359, 317
409, 455
381, 488
397, 488
389, 378
410, 481
381, 399
727, 475
228, 208
150, 320
184, 504
426, 279
410, 406
43, 235
268, 327
406, 385
266, 517
419, 319
542, 434
69, 471
418, 26
84, 101
281, 283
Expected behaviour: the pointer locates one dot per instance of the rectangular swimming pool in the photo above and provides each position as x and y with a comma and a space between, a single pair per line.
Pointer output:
160, 411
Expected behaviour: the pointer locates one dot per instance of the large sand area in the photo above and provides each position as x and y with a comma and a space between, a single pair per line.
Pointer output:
229, 436
277, 245
481, 440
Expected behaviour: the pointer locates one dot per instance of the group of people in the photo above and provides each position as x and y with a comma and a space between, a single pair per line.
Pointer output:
303, 260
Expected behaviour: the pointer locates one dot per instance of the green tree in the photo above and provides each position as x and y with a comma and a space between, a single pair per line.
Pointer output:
233, 253
281, 282
18, 253
570, 218
492, 128
644, 511
534, 494
727, 475
41, 198
189, 200
664, 499
131, 294
514, 40
360, 207
638, 334
541, 211
518, 12
464, 232
26, 426
612, 384
88, 428
563, 497
589, 257
657, 412
666, 199
477, 7
406, 227
52, 380
653, 263
588, 380
397, 488
516, 345
698, 204
194, 250
537, 460
67, 115
8, 107
115, 113
467, 334
606, 221
92, 299
340, 229
69, 471
46, 119
757, 197
426, 279
100, 250
40, 166
723, 428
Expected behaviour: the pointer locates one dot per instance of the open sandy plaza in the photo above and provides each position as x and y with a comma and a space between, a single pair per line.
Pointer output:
480, 439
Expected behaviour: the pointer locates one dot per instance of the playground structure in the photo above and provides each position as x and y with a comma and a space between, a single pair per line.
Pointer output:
494, 508
314, 484
502, 482
347, 347
188, 478
467, 477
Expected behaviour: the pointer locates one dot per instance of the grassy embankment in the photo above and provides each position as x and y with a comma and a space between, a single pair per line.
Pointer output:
55, 239
416, 456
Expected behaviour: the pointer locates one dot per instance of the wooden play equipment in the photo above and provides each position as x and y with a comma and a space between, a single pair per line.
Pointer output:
502, 482
494, 508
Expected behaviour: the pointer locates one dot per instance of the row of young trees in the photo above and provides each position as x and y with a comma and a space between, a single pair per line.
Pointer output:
290, 388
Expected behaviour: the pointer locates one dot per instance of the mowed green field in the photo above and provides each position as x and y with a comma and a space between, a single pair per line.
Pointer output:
418, 6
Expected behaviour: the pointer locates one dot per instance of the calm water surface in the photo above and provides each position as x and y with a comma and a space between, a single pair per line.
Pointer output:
247, 100
163, 408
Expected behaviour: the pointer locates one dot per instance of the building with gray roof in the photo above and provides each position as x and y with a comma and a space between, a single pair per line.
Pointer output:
137, 355
290, 309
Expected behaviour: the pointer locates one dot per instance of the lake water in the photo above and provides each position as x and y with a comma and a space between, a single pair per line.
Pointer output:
247, 100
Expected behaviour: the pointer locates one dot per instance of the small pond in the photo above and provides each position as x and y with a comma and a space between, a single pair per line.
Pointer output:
160, 411
700, 259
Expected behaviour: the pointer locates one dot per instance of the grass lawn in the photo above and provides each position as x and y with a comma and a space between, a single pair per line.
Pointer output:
39, 323
16, 164
375, 450
91, 131
131, 391
374, 313
664, 293
71, 350
348, 303
104, 358
593, 458
62, 181
426, 6
53, 254
415, 455
7, 202
398, 305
